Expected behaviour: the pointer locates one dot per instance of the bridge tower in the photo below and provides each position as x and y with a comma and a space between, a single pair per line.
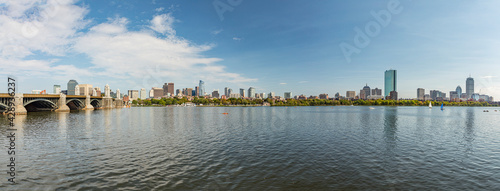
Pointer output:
88, 106
18, 100
61, 104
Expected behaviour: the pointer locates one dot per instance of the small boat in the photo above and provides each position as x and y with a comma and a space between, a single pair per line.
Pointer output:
372, 108
225, 113
430, 105
442, 108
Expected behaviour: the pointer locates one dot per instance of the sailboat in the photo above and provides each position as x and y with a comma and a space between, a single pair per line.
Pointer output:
430, 105
442, 107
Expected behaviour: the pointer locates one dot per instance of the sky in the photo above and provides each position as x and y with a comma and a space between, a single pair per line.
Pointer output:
303, 47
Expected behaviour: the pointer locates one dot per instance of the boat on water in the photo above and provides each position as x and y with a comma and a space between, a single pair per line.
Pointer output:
430, 105
372, 108
442, 107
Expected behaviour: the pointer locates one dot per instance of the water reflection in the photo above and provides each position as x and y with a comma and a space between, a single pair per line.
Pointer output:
62, 118
390, 128
469, 134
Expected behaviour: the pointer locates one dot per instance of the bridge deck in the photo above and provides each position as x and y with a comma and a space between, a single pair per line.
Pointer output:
6, 95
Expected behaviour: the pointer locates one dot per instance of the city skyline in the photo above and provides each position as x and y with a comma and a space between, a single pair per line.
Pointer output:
183, 42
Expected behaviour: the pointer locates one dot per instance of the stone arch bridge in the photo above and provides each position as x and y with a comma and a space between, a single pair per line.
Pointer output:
56, 102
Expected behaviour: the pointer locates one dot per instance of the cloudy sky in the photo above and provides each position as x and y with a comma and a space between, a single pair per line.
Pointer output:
307, 47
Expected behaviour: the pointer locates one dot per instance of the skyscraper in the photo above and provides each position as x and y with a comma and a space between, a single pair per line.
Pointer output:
202, 88
390, 82
143, 94
459, 91
367, 90
165, 89
251, 92
242, 92
420, 93
57, 89
469, 87
170, 89
71, 87
226, 91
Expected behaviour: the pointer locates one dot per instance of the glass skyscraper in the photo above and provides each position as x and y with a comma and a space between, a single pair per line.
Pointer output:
469, 87
202, 88
459, 91
71, 87
390, 82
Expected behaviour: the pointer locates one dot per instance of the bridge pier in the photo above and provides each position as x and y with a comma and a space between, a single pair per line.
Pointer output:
61, 104
118, 103
20, 109
88, 106
107, 103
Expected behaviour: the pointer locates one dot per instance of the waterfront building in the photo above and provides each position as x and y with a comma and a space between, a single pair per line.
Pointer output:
133, 94
337, 95
350, 94
143, 94
377, 92
469, 87
215, 94
262, 95
459, 91
251, 92
178, 92
362, 94
189, 92
196, 91
323, 96
85, 89
288, 95
453, 96
151, 93
242, 92
226, 91
71, 87
157, 92
170, 89
390, 82
57, 89
234, 95
393, 95
271, 95
427, 97
229, 92
202, 88
420, 93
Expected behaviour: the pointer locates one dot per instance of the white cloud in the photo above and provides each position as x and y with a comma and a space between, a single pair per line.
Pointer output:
216, 32
237, 38
141, 54
163, 24
159, 9
282, 83
488, 77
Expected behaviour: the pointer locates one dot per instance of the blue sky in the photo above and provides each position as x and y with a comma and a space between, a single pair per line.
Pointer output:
272, 45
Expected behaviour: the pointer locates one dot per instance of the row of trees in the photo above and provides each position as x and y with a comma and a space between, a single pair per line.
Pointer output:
294, 102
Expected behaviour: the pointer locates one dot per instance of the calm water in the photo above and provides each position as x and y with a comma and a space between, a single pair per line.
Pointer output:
256, 148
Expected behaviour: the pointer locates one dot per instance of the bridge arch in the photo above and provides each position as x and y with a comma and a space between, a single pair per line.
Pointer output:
40, 105
75, 104
96, 103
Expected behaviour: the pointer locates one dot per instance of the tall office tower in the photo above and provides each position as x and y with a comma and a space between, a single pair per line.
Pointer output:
229, 91
152, 93
337, 95
362, 94
420, 93
71, 87
469, 87
390, 82
367, 91
459, 91
178, 92
226, 91
251, 92
143, 94
196, 91
189, 92
170, 89
242, 92
57, 89
288, 95
202, 88
165, 89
